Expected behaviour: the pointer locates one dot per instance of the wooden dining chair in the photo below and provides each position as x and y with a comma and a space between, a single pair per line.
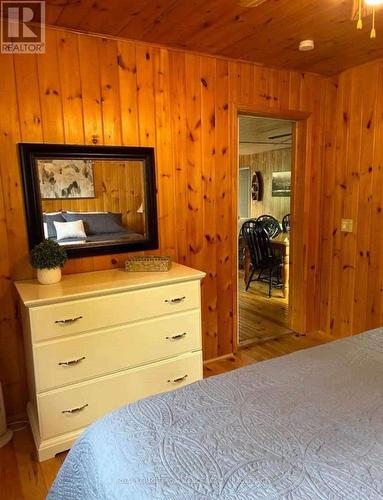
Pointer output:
270, 224
262, 255
286, 223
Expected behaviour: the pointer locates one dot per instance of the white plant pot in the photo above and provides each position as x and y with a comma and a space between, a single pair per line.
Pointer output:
49, 276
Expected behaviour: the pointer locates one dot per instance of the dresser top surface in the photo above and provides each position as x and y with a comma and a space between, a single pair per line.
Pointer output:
82, 285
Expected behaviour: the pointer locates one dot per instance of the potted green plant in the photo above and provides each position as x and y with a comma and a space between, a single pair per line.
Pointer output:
48, 258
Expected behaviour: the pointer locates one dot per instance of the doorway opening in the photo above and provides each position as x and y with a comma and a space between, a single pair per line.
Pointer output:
264, 226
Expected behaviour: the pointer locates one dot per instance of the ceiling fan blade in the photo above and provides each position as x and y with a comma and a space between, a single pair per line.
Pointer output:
366, 10
280, 136
266, 143
251, 3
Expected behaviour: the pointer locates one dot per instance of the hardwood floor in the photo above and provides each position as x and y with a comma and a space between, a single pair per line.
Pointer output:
23, 478
263, 351
261, 317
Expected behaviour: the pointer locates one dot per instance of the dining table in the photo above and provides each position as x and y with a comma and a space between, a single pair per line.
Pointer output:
281, 243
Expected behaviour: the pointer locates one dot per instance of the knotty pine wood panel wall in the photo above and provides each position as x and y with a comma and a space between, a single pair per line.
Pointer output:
351, 297
267, 163
180, 103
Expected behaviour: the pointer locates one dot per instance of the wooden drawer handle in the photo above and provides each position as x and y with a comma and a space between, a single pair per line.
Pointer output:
177, 337
177, 300
178, 380
72, 362
67, 321
75, 410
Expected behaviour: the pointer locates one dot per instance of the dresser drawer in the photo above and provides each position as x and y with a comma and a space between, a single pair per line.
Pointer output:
66, 410
81, 357
68, 318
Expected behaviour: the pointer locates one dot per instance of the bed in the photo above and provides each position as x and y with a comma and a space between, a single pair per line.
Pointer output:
304, 426
121, 237
96, 228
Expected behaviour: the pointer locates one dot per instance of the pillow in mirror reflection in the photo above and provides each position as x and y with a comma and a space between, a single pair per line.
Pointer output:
99, 223
73, 229
49, 219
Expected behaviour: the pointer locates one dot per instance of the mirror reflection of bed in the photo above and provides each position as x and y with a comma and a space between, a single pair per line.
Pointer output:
92, 201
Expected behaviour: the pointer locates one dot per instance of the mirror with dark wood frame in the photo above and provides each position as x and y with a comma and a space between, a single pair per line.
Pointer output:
93, 200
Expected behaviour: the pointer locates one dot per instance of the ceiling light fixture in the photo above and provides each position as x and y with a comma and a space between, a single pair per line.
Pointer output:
306, 45
371, 4
374, 2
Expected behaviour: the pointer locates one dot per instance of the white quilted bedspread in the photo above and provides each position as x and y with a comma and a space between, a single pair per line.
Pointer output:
305, 426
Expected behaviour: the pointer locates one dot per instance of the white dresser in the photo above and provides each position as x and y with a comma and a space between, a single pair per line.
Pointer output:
97, 341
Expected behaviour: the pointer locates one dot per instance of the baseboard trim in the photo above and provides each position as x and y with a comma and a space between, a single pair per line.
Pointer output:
17, 417
219, 358
321, 333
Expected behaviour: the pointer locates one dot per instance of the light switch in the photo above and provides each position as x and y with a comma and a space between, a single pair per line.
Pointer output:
347, 225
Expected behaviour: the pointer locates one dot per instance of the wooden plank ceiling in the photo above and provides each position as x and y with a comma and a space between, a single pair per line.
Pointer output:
268, 33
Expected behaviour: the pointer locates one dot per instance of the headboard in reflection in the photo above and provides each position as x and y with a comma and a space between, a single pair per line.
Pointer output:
91, 199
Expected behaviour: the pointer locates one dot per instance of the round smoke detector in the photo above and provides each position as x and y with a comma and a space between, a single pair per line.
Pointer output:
306, 45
